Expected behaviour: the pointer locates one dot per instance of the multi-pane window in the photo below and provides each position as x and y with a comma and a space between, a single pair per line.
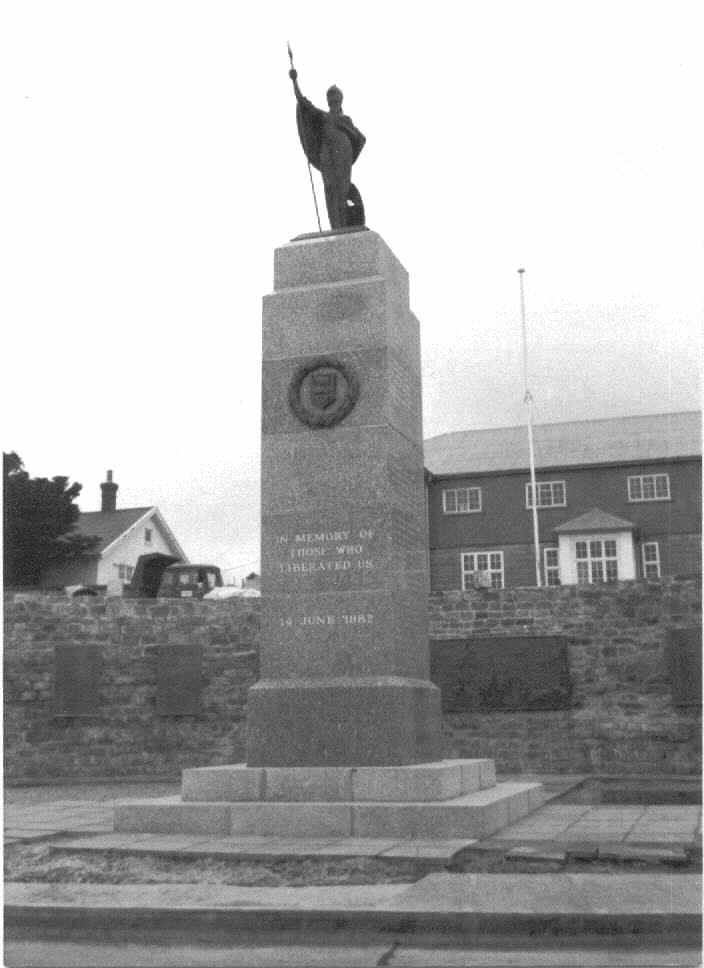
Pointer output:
147, 535
551, 562
651, 559
596, 561
551, 494
649, 487
487, 563
125, 572
462, 500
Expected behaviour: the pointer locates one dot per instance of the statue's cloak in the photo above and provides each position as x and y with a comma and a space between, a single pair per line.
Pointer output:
310, 119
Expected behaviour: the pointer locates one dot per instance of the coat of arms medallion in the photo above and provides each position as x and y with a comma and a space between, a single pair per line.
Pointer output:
323, 391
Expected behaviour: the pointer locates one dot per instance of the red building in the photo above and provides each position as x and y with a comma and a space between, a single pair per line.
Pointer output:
618, 499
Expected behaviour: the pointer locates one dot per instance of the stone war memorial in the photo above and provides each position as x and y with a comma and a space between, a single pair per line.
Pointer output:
344, 726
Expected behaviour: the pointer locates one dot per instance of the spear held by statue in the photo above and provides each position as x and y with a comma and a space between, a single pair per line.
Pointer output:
293, 75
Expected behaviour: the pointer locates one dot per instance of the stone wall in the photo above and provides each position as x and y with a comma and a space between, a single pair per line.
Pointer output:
128, 737
622, 717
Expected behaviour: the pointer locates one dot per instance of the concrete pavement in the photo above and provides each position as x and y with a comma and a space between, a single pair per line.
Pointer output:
475, 906
85, 954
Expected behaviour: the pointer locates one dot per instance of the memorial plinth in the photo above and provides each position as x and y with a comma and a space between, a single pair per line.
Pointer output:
344, 648
343, 728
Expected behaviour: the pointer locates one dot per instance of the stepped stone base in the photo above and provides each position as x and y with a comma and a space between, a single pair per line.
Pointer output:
448, 799
442, 780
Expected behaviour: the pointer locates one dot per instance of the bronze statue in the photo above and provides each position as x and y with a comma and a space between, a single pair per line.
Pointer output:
332, 145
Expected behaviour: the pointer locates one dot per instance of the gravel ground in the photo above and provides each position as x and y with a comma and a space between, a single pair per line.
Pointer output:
36, 862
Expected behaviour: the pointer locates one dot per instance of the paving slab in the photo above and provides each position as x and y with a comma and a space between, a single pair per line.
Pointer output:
32, 823
252, 848
618, 829
440, 850
537, 855
556, 893
58, 954
563, 811
622, 852
658, 835
32, 834
359, 847
607, 956
294, 847
88, 828
586, 852
665, 809
124, 843
688, 826
595, 835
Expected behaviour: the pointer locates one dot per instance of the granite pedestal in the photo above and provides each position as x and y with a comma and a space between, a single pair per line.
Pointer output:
344, 653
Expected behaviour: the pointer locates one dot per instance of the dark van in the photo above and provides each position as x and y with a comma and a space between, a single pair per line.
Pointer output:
147, 575
189, 581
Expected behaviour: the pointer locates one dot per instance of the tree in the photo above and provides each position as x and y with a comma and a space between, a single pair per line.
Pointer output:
38, 518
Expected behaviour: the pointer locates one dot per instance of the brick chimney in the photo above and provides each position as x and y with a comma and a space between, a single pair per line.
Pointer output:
109, 494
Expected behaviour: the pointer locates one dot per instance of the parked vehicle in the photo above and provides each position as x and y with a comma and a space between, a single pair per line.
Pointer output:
147, 576
189, 581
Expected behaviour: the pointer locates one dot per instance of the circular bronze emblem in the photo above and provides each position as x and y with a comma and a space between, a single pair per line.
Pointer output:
323, 391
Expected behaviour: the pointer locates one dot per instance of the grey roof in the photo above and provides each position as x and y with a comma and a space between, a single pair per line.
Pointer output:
595, 520
108, 525
610, 441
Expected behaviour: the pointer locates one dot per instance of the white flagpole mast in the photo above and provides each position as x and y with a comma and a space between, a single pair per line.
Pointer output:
528, 400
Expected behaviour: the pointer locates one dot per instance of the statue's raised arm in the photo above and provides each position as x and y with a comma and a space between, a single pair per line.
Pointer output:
331, 144
293, 74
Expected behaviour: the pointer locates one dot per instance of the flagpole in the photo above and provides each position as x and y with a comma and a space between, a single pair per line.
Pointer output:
528, 400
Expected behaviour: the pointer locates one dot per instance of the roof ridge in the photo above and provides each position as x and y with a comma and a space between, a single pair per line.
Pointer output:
140, 507
563, 423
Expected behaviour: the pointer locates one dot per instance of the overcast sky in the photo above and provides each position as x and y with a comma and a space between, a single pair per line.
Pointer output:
152, 165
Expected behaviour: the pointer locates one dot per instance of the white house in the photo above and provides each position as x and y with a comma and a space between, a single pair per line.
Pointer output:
124, 535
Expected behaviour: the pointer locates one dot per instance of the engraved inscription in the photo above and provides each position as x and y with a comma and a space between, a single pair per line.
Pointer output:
361, 619
309, 552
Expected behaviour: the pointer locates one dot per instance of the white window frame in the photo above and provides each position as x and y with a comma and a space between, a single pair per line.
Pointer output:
551, 570
552, 503
471, 562
650, 563
593, 561
456, 491
635, 486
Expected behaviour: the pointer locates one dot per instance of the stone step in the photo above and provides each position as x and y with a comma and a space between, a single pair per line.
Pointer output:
472, 815
267, 849
443, 780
